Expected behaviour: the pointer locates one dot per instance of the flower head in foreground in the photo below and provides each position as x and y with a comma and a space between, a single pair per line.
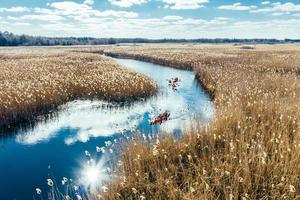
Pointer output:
292, 188
87, 153
78, 197
67, 197
104, 188
38, 191
49, 182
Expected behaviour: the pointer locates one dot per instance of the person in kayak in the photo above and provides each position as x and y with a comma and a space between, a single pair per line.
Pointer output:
174, 83
161, 118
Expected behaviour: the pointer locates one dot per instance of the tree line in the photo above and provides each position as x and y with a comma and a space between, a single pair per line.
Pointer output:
10, 39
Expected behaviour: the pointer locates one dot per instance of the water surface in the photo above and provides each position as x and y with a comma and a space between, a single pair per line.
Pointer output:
56, 148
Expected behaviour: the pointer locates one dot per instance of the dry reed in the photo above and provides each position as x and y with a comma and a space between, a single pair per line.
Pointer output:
36, 80
250, 151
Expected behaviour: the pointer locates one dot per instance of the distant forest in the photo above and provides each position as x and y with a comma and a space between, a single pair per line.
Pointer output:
10, 39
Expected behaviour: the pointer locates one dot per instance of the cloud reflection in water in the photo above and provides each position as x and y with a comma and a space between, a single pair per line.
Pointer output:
92, 119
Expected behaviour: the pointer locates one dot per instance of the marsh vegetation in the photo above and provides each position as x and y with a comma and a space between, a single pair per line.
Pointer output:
35, 81
250, 150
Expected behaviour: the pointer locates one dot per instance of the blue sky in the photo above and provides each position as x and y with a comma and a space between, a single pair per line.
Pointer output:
153, 18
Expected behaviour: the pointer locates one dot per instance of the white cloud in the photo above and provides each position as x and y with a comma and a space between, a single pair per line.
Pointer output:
68, 18
81, 11
222, 18
173, 17
278, 14
236, 7
22, 24
113, 13
278, 29
127, 3
170, 27
184, 4
70, 7
89, 2
15, 9
265, 2
68, 15
50, 18
279, 8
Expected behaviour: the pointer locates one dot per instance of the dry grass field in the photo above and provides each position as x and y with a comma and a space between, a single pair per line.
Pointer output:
252, 148
36, 80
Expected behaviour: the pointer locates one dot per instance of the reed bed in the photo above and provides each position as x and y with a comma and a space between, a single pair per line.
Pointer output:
250, 150
34, 81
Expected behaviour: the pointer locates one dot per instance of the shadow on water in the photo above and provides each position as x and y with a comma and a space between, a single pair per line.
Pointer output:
55, 146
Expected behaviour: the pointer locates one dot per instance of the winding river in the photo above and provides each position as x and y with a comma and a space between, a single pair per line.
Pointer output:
56, 148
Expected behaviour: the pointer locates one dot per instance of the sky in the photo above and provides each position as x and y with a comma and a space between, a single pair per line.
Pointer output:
153, 18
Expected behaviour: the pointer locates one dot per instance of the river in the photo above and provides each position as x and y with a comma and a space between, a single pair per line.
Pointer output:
56, 148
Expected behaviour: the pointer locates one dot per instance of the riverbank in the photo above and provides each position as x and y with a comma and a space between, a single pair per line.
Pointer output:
251, 149
209, 60
35, 81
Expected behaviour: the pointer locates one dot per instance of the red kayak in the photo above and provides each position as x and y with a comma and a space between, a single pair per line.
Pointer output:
161, 118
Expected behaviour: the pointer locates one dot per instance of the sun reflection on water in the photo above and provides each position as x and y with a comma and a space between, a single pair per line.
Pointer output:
92, 174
